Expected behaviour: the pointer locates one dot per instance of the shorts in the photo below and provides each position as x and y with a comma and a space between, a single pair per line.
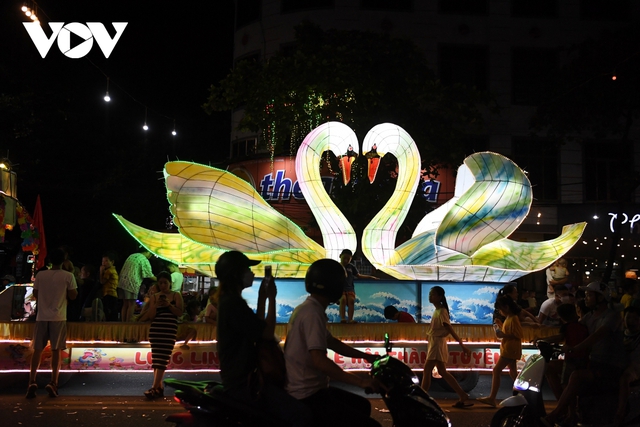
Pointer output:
54, 332
124, 294
569, 366
349, 294
438, 349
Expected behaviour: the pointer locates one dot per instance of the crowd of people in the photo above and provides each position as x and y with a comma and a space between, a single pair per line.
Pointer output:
600, 335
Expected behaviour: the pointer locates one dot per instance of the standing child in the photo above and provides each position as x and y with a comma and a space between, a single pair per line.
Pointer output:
510, 347
349, 295
438, 352
109, 280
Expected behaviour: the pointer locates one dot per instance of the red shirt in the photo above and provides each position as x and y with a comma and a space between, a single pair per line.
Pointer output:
405, 317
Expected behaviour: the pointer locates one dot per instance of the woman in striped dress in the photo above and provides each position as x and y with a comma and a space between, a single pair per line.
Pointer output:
164, 309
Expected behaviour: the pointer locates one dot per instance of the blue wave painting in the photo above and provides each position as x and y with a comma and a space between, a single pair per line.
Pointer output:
469, 302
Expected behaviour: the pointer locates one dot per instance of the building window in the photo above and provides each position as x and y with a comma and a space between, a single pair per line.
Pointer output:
540, 158
534, 9
244, 147
464, 64
391, 5
531, 71
602, 170
289, 6
463, 7
247, 11
605, 10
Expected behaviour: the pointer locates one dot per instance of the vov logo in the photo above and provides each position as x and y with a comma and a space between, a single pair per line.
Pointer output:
92, 31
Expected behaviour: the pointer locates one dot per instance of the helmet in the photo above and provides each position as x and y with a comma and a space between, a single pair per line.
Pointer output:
326, 277
232, 264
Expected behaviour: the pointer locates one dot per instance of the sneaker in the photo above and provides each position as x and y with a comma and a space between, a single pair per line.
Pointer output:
31, 391
52, 389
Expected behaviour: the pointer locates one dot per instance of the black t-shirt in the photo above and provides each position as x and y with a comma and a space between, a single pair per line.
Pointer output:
239, 329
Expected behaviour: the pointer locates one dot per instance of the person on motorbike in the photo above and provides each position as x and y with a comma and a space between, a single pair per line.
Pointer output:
606, 357
309, 369
239, 333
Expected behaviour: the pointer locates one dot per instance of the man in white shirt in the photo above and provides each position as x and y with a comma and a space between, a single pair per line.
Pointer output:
548, 315
309, 368
176, 277
51, 289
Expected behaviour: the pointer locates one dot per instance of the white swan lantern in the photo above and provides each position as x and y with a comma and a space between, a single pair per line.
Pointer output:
466, 239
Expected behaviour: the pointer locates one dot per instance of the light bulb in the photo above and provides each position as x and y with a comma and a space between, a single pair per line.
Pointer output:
173, 132
34, 17
28, 12
614, 78
24, 8
107, 98
145, 127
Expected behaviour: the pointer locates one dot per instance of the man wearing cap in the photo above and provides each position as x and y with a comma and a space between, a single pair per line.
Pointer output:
605, 342
239, 333
8, 280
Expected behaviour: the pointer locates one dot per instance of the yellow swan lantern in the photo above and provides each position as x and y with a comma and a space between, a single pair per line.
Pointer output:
466, 239
216, 211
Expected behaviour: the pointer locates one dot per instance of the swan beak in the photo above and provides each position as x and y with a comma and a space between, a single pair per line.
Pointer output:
345, 165
373, 162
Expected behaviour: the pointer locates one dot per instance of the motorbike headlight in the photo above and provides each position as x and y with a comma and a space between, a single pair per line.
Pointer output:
521, 384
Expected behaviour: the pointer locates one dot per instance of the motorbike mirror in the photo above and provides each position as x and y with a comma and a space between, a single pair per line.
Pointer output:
387, 343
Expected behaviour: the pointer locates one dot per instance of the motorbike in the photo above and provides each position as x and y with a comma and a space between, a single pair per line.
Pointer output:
526, 407
409, 405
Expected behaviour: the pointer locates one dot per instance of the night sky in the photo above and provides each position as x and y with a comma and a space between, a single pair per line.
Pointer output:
88, 159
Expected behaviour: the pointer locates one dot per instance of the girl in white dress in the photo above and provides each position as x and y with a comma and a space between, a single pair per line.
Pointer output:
438, 352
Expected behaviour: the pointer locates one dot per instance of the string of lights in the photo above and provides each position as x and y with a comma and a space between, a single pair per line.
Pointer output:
31, 9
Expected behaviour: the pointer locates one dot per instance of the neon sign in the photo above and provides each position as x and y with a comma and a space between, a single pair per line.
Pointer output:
281, 188
632, 221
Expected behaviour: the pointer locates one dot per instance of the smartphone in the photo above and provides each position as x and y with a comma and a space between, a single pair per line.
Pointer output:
267, 271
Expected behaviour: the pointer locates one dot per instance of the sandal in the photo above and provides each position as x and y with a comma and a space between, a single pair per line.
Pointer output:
154, 393
461, 404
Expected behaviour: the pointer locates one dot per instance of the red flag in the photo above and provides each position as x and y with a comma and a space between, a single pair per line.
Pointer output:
42, 243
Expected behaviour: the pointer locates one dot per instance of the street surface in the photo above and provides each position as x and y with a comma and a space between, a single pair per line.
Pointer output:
115, 399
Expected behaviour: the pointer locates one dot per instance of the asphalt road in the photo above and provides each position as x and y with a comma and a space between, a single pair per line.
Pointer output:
115, 399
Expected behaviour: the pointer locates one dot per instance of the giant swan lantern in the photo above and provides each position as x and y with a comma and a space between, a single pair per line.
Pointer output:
216, 211
467, 238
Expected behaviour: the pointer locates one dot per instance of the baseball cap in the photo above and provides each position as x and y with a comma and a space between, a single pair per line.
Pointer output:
598, 287
232, 261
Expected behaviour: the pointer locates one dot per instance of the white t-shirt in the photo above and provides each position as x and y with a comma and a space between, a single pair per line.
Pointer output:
176, 281
307, 331
52, 287
550, 309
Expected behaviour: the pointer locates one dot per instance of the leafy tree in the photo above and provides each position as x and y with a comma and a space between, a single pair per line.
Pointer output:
596, 95
361, 79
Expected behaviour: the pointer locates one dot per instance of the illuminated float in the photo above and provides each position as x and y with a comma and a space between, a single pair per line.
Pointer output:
462, 246
465, 240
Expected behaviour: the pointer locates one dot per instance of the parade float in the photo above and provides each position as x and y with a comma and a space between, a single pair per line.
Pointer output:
463, 246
